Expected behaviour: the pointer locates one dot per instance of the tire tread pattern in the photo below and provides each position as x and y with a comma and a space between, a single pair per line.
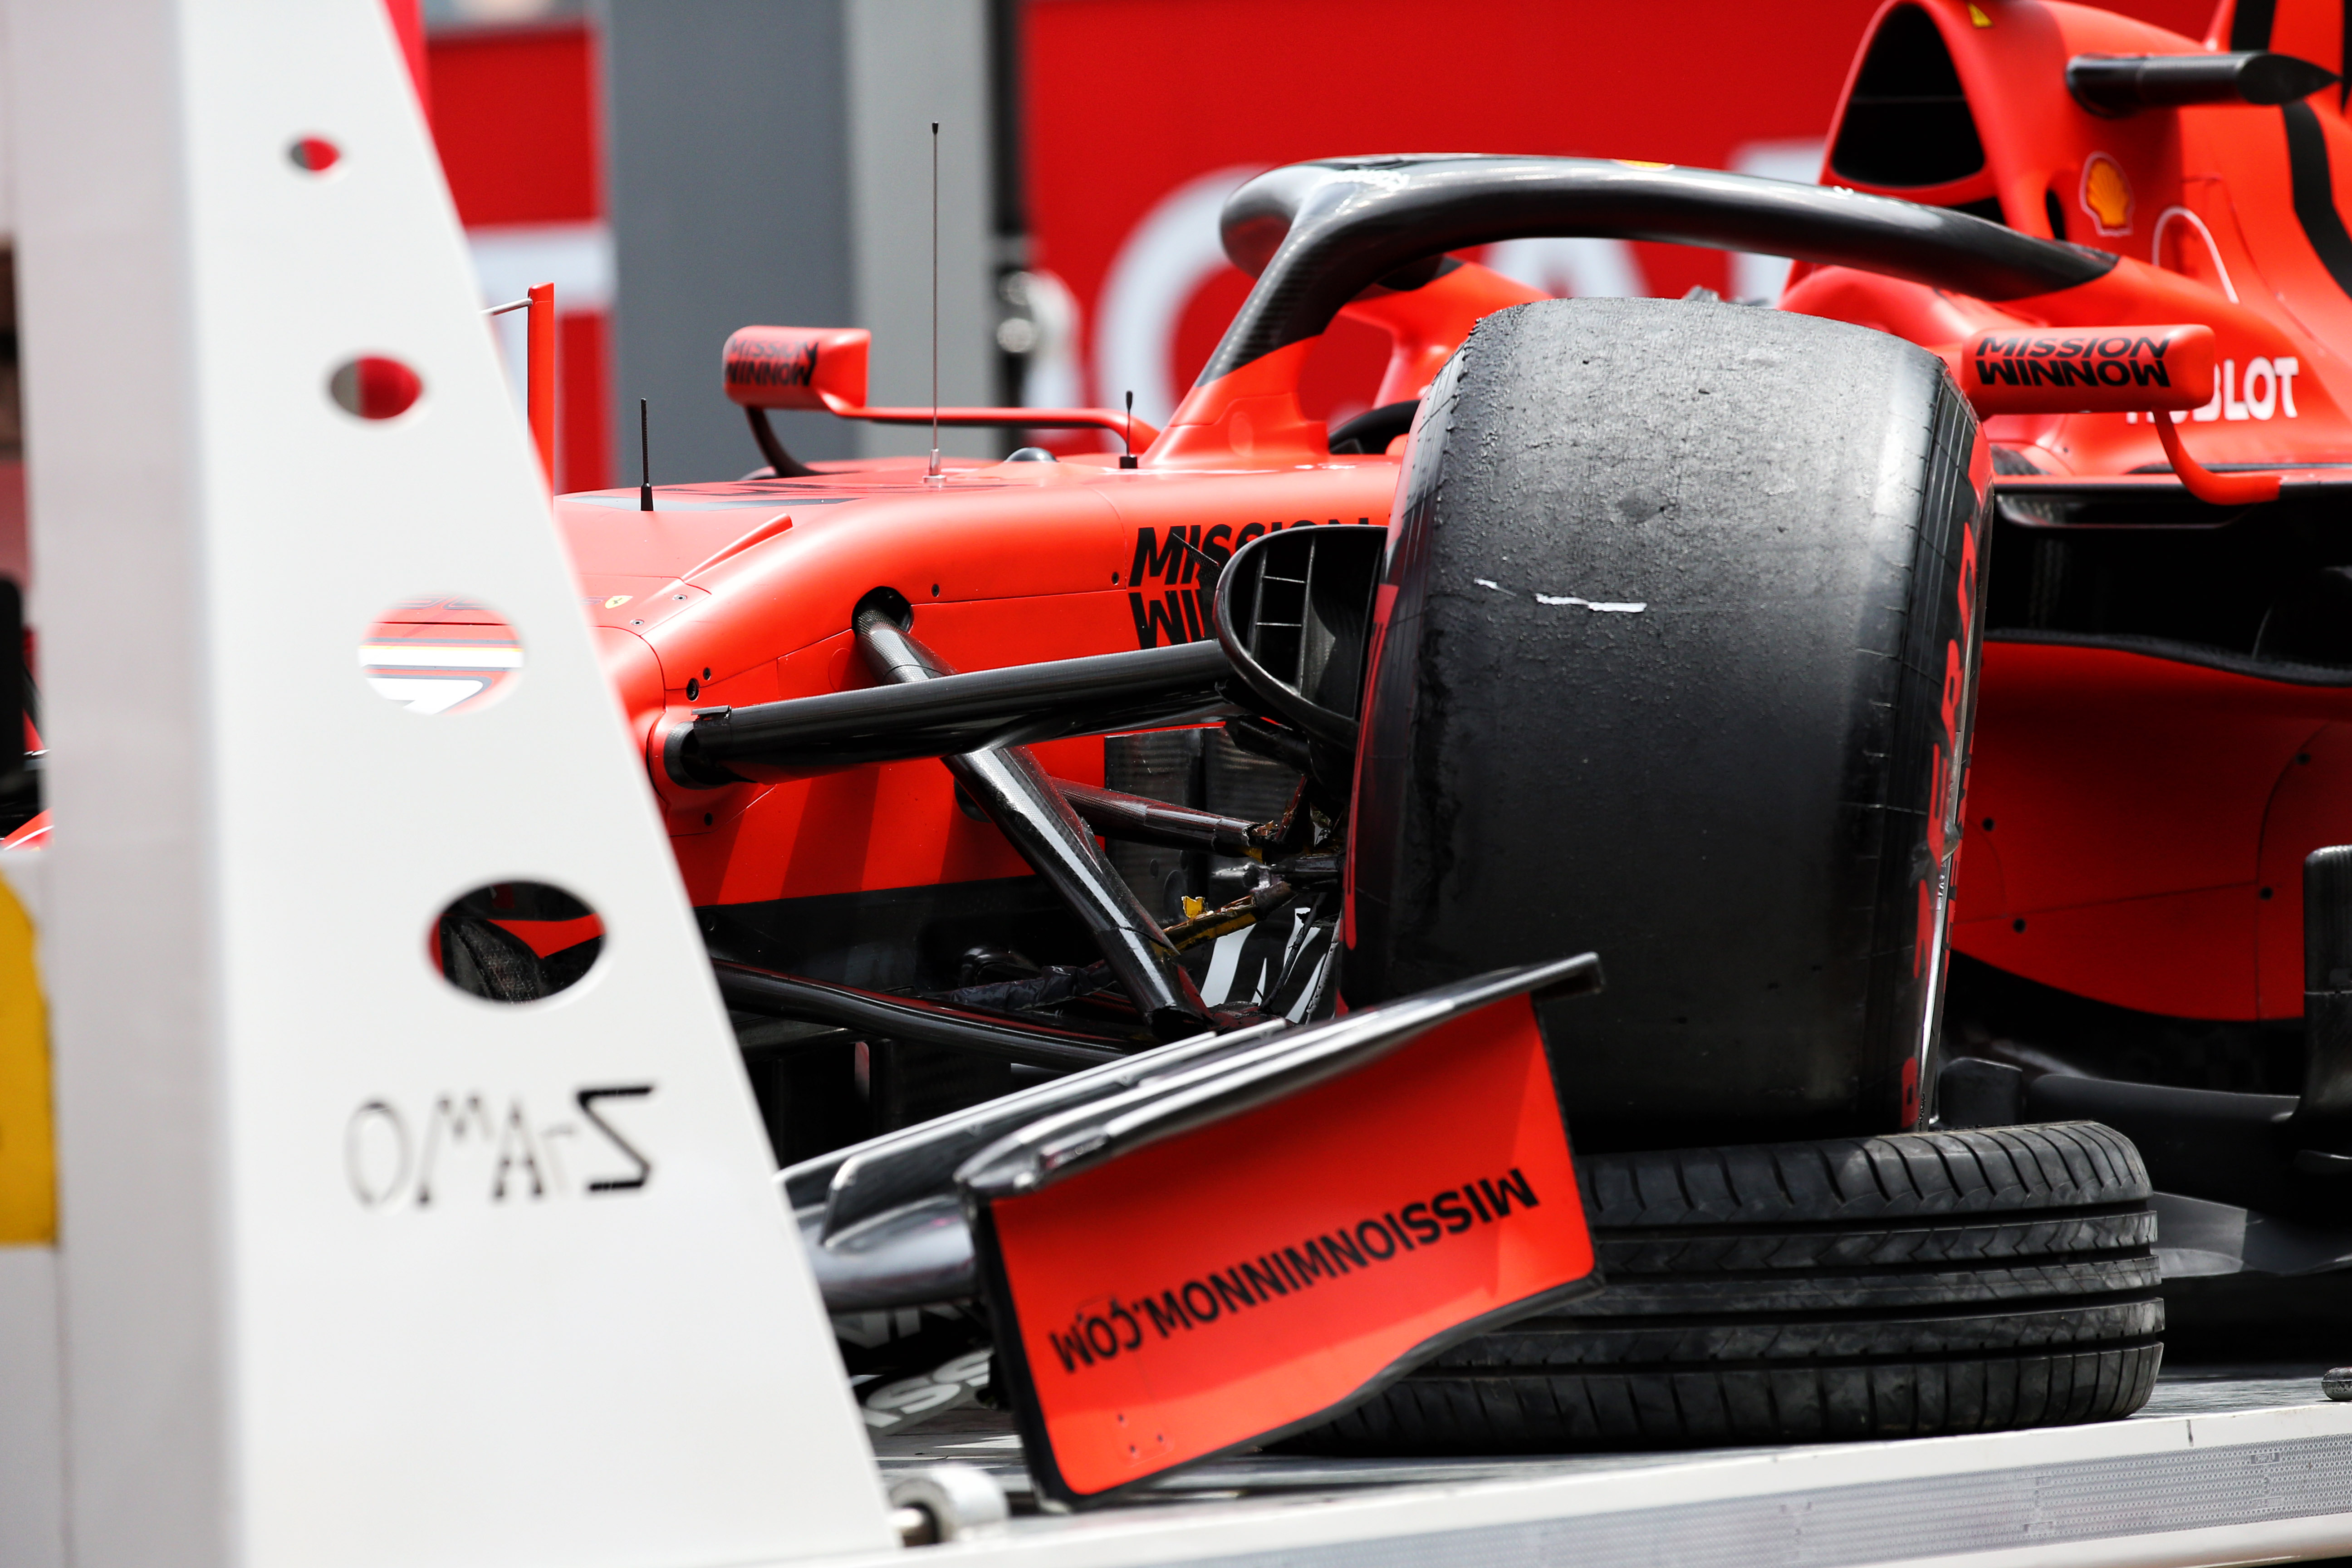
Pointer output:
1905, 1285
1802, 1403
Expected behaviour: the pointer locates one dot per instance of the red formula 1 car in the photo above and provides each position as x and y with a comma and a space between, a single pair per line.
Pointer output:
1648, 628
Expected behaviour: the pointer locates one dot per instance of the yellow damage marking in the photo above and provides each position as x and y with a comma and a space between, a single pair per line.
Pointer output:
28, 1181
1976, 15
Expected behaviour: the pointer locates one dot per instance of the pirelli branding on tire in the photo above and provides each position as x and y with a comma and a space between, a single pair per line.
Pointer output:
1242, 1280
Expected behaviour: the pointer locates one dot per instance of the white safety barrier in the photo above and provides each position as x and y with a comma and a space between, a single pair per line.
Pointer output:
353, 1267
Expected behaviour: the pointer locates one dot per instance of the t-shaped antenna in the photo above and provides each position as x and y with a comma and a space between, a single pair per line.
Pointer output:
932, 475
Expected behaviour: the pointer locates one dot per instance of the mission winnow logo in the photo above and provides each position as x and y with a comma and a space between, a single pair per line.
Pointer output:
1170, 597
760, 362
1104, 1333
2042, 359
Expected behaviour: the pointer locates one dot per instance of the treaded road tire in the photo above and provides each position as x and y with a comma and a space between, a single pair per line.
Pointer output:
1678, 670
1895, 1287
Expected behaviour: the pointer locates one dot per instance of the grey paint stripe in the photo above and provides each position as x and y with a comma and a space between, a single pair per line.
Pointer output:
1832, 1527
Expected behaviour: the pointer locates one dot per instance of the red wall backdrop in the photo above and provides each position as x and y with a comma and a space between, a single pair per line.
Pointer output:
515, 115
1125, 102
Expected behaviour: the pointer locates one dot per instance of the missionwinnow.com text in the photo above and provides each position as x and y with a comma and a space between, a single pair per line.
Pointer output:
1117, 1329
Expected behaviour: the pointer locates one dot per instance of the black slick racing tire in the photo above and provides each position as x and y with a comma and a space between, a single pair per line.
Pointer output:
1905, 1286
1679, 669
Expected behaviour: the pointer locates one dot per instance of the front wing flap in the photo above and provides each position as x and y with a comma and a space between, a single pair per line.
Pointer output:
1227, 1255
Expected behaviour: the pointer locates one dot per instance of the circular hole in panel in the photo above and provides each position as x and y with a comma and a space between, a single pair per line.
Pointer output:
374, 387
314, 154
440, 653
515, 942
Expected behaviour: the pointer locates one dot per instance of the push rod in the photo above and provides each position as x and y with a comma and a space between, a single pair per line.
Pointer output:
1137, 819
768, 994
1015, 794
1144, 689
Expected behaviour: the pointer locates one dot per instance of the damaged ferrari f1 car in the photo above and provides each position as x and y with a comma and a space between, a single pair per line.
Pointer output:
1046, 816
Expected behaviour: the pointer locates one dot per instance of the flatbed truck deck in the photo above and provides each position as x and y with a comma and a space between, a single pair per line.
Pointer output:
2223, 1465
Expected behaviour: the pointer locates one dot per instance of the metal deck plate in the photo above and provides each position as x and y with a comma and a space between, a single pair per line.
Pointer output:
2231, 1466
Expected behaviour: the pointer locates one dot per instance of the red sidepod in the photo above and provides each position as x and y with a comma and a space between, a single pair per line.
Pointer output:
2137, 827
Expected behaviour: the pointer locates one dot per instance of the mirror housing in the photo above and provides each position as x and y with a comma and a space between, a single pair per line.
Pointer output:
1295, 618
817, 368
2096, 370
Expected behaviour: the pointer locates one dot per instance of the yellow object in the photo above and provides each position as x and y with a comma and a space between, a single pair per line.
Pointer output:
1192, 907
28, 1179
1639, 164
2108, 194
1976, 15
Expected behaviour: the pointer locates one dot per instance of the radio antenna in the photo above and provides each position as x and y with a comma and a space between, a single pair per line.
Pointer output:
645, 463
934, 474
1127, 458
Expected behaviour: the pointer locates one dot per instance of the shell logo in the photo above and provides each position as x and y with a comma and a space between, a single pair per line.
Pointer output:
2106, 194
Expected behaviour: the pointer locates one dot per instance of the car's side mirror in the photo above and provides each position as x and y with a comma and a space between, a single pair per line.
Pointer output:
1295, 617
819, 368
2098, 370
